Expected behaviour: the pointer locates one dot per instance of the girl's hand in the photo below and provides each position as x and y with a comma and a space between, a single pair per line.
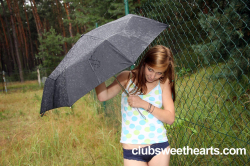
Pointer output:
135, 101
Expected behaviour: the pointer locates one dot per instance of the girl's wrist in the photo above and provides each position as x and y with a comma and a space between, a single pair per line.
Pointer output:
145, 105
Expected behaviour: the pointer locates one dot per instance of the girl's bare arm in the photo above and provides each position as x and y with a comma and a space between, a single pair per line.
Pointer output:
105, 93
167, 114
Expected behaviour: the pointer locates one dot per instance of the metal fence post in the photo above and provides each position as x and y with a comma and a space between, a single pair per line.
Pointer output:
4, 82
126, 7
38, 77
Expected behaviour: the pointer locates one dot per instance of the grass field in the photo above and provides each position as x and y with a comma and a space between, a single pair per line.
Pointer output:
209, 113
76, 136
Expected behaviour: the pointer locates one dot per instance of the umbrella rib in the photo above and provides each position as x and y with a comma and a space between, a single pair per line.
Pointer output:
113, 46
120, 52
94, 71
115, 50
147, 43
94, 37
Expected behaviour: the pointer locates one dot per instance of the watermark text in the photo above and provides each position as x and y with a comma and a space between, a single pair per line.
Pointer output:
188, 151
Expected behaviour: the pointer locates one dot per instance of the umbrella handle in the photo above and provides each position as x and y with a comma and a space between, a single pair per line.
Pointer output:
128, 96
141, 114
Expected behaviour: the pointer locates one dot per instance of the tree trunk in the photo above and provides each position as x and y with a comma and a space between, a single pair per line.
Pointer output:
6, 58
205, 9
2, 68
77, 29
58, 9
34, 63
19, 39
85, 28
15, 41
37, 26
19, 36
37, 20
46, 25
82, 30
36, 16
66, 6
11, 47
5, 35
22, 34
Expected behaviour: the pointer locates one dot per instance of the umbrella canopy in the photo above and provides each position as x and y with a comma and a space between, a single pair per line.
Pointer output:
97, 56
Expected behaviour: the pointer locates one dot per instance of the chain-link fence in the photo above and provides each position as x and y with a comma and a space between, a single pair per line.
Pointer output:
210, 42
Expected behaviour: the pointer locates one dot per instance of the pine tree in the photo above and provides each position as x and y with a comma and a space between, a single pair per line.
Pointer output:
227, 28
50, 49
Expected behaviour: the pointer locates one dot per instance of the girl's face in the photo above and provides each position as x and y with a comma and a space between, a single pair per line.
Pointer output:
153, 74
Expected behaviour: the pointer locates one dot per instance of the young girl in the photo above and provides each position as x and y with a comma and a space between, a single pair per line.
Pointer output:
150, 86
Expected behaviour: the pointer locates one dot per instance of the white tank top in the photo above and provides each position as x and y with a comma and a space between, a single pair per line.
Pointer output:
137, 130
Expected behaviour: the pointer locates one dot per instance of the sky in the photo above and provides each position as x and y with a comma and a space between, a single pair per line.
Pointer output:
27, 2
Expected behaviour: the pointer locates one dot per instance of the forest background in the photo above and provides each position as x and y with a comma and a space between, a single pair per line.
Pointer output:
39, 33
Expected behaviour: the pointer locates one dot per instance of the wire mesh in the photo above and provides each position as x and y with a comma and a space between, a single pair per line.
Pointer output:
210, 43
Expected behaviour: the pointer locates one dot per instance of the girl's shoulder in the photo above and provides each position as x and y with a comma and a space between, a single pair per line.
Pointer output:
165, 84
123, 78
126, 76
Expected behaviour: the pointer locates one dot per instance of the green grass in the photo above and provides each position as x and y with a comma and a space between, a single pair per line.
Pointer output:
64, 136
13, 87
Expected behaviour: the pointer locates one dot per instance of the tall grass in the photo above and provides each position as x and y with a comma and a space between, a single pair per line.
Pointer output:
64, 136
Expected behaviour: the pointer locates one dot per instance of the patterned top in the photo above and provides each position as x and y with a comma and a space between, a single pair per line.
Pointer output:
137, 130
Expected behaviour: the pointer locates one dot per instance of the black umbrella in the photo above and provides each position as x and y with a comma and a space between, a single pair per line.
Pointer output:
97, 56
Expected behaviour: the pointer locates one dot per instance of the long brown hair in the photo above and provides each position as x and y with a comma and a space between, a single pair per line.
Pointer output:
158, 56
